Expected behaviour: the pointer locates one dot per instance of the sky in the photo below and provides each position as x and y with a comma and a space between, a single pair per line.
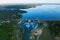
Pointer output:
27, 1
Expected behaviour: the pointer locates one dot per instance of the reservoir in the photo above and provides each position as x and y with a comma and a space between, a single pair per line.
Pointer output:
44, 12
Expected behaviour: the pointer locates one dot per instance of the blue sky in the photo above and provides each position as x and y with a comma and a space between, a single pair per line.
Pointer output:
27, 1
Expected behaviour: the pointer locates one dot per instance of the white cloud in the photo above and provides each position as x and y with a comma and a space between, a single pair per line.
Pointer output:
28, 1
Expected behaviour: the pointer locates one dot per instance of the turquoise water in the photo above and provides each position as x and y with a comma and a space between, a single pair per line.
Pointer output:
44, 12
28, 27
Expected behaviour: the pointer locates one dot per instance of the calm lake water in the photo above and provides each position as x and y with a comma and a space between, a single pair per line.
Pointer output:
44, 12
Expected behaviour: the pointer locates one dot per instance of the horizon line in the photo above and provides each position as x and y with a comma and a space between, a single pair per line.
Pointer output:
32, 3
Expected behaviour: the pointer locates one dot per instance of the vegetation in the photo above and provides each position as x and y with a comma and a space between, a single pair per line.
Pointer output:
52, 31
9, 12
9, 15
26, 6
7, 30
54, 28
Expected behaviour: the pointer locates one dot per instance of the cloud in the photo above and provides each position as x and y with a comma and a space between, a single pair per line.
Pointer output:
28, 1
